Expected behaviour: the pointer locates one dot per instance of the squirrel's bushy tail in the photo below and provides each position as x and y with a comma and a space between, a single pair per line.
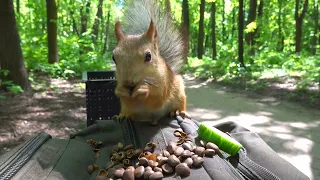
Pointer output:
171, 42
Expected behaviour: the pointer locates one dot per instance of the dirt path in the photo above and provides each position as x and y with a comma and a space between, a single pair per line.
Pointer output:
59, 109
290, 129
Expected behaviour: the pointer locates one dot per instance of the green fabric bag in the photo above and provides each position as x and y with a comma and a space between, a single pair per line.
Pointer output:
44, 157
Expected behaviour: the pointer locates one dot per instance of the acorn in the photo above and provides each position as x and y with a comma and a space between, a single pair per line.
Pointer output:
182, 170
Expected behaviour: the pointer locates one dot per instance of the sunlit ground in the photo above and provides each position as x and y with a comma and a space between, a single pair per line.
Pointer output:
291, 130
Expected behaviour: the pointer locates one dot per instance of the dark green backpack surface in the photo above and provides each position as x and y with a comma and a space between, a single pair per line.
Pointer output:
44, 157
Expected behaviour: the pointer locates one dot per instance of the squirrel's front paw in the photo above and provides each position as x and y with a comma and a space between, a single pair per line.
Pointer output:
183, 114
121, 117
141, 93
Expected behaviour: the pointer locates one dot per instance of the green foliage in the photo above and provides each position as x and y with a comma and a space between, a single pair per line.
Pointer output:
266, 65
8, 84
274, 35
77, 53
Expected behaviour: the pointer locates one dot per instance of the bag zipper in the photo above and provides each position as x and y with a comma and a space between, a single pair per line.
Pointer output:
17, 160
129, 135
246, 164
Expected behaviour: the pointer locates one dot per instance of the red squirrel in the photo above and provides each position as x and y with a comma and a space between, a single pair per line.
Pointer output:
149, 53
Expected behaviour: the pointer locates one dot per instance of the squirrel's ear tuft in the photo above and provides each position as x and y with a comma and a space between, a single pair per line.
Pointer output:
118, 31
151, 32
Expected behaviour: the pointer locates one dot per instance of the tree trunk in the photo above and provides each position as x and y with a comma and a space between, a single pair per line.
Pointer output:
97, 21
107, 33
11, 57
52, 31
201, 29
251, 18
299, 22
213, 29
316, 27
185, 17
224, 35
240, 33
84, 17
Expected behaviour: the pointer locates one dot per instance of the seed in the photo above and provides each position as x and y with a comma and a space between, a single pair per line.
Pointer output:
150, 163
103, 173
90, 169
188, 161
139, 172
119, 173
209, 152
153, 164
120, 145
156, 176
179, 150
187, 146
177, 133
122, 155
137, 152
129, 153
153, 157
173, 160
162, 161
197, 161
143, 161
167, 168
182, 169
129, 146
128, 175
213, 146
171, 147
146, 154
151, 145
203, 143
147, 168
148, 149
131, 168
194, 155
116, 157
186, 154
147, 174
157, 169
165, 153
199, 150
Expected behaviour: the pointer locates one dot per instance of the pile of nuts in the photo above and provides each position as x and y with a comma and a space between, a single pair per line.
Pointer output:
178, 158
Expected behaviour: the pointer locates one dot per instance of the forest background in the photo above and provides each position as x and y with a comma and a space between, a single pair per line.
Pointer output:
254, 45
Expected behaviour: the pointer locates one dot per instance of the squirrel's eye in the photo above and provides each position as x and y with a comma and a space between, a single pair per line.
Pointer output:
148, 57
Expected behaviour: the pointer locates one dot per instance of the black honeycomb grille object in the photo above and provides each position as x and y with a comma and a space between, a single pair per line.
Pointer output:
101, 102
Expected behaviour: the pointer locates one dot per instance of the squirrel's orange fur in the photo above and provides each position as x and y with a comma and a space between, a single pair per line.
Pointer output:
148, 90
